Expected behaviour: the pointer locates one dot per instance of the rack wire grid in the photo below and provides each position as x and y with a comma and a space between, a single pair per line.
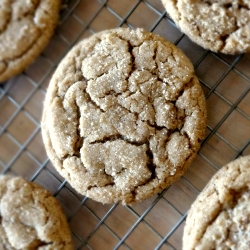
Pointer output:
158, 222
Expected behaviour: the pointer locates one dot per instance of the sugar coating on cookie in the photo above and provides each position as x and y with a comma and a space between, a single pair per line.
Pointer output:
220, 26
30, 218
124, 115
25, 28
219, 217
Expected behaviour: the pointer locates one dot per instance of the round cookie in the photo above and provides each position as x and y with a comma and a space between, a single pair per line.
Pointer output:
30, 218
219, 217
25, 28
124, 115
220, 26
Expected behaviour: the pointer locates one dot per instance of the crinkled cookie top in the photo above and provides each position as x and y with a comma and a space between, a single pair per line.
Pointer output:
30, 218
217, 25
219, 218
124, 115
25, 29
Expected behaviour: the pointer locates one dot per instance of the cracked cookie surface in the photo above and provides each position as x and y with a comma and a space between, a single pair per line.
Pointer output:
217, 25
219, 217
30, 218
25, 28
124, 115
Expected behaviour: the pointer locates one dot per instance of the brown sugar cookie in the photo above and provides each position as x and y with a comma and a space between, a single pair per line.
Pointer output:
25, 29
219, 217
220, 26
124, 115
30, 218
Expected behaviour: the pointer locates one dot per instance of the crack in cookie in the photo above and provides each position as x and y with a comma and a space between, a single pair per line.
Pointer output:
127, 118
220, 26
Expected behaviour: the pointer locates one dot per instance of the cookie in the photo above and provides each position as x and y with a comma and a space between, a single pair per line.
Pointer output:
124, 115
219, 217
220, 26
30, 218
25, 29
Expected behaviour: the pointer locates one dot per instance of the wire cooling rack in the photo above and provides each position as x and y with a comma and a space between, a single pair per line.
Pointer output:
156, 223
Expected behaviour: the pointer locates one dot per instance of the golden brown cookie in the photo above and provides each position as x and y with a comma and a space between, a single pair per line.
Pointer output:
220, 26
30, 218
25, 28
219, 217
124, 115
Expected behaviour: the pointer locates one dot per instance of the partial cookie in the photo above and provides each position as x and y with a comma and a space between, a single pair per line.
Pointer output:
220, 26
25, 29
30, 218
219, 217
124, 115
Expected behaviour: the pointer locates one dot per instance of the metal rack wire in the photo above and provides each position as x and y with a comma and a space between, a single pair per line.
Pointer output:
156, 223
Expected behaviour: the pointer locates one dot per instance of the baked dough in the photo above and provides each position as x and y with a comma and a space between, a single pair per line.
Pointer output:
30, 218
219, 217
124, 115
218, 25
25, 29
